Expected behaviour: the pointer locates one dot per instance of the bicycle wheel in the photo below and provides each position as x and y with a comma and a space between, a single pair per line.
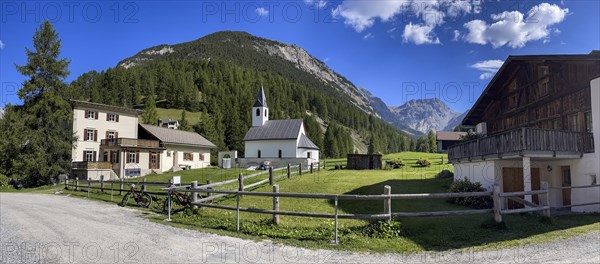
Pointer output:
125, 199
145, 200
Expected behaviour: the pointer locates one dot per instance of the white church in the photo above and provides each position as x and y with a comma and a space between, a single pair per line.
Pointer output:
277, 141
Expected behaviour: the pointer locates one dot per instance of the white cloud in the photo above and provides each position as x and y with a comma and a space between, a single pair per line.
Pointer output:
262, 11
489, 68
1, 44
363, 14
320, 4
419, 34
391, 30
456, 35
368, 36
326, 59
515, 29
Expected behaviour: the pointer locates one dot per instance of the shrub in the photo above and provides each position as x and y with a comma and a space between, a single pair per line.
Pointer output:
395, 163
4, 181
382, 229
481, 202
444, 174
424, 162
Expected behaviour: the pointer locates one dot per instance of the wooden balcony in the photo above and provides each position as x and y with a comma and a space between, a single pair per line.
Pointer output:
91, 165
533, 142
131, 142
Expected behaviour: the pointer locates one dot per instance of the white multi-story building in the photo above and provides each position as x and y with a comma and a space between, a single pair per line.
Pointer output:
112, 144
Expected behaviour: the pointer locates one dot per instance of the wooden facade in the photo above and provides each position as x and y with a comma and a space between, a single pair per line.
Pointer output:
542, 94
547, 96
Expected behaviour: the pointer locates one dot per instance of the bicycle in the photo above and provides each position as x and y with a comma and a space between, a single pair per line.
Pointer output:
179, 201
141, 198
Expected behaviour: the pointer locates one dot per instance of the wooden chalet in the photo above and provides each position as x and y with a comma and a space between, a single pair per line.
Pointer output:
535, 122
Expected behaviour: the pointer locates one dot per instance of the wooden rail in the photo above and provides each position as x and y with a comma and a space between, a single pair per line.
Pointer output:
524, 139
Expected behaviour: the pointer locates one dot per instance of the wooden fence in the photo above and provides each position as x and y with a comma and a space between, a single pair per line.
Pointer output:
124, 186
387, 197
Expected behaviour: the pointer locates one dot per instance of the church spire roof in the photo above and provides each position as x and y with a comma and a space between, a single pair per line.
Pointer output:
261, 99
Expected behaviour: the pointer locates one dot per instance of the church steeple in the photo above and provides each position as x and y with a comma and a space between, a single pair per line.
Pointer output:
260, 111
261, 99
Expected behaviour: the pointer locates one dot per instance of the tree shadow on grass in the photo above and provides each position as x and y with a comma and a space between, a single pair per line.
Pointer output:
454, 232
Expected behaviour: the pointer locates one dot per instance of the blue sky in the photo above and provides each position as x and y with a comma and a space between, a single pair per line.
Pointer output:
399, 50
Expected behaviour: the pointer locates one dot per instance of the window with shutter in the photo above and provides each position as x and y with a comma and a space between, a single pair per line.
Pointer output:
137, 157
95, 135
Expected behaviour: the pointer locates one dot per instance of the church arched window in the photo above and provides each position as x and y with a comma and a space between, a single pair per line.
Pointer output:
257, 112
280, 154
259, 153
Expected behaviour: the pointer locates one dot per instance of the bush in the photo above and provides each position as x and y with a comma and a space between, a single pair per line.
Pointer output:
424, 162
395, 163
4, 181
382, 229
481, 202
444, 174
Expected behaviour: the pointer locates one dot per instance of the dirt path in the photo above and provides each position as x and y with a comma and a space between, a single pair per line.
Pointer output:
59, 229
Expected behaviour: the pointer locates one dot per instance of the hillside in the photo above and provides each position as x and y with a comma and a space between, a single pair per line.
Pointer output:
218, 76
248, 51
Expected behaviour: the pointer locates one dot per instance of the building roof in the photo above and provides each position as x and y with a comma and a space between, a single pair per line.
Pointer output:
261, 99
306, 143
449, 136
509, 65
112, 108
177, 137
275, 129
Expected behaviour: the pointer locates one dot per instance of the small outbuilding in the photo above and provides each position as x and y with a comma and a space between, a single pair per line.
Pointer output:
364, 161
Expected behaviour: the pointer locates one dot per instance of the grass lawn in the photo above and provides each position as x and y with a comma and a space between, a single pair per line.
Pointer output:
192, 117
416, 234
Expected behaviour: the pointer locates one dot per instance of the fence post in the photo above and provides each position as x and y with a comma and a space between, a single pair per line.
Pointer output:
241, 182
194, 194
276, 204
311, 168
76, 183
237, 209
144, 185
66, 183
89, 187
336, 238
300, 169
545, 186
497, 205
387, 203
120, 186
288, 171
208, 182
271, 178
102, 184
324, 164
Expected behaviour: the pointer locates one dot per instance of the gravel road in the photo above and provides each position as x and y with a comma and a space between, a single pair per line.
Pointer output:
37, 228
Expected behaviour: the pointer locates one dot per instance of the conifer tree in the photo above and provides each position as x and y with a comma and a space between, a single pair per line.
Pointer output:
432, 141
183, 123
150, 115
45, 151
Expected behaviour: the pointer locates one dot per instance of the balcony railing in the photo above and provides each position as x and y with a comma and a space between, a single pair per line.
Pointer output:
524, 140
95, 165
131, 142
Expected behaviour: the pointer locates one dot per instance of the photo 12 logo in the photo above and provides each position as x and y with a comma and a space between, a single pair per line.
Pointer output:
68, 252
70, 11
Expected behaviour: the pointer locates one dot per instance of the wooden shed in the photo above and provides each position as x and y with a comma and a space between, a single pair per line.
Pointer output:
364, 161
